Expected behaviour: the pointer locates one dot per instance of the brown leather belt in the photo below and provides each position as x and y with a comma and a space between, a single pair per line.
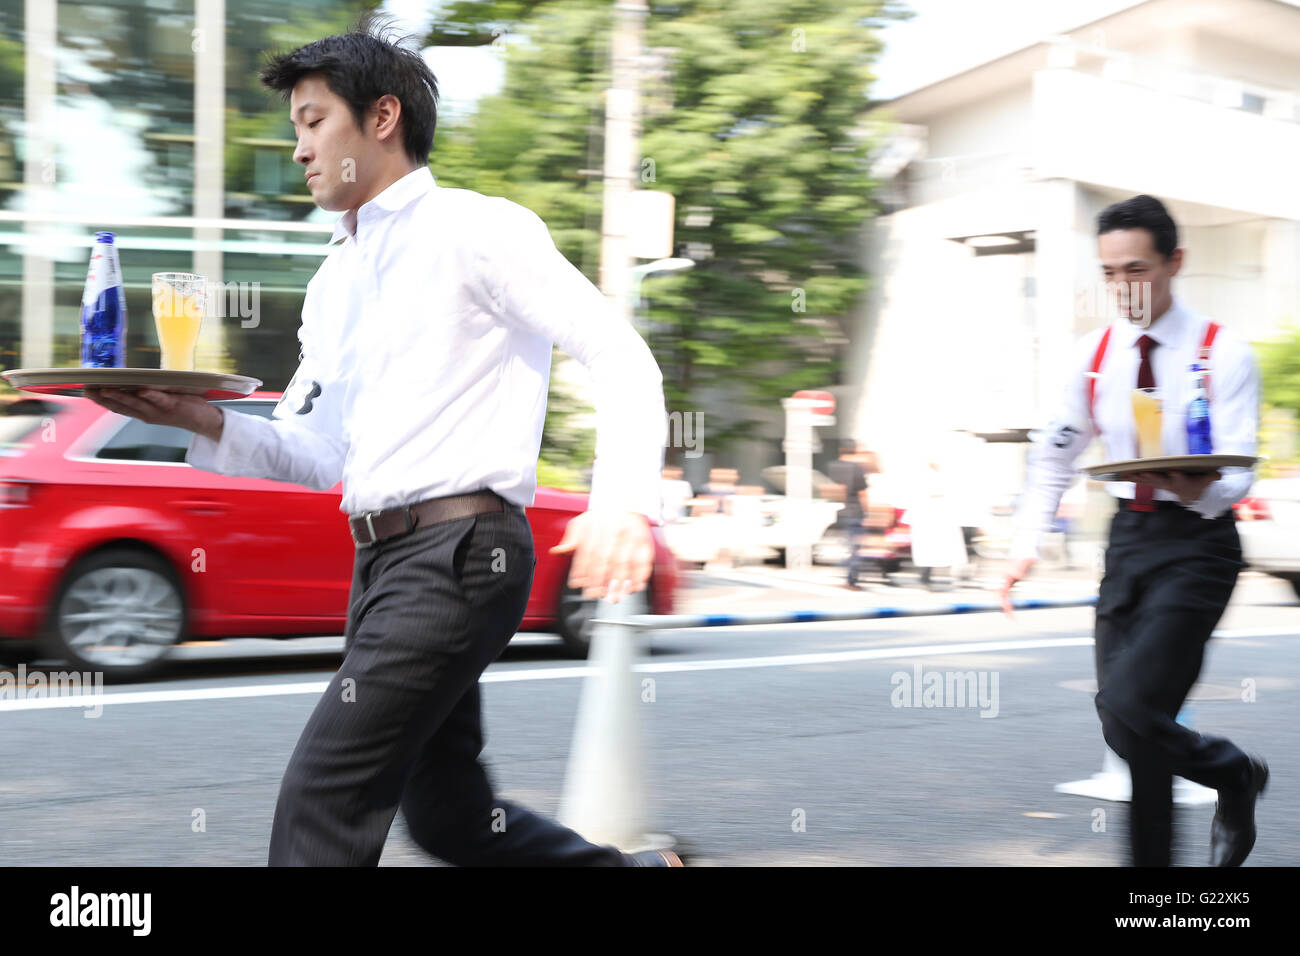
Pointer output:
372, 527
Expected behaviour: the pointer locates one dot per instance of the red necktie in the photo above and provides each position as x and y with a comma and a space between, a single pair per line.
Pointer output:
1142, 498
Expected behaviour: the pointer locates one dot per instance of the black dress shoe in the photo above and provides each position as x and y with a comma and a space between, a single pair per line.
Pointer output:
1232, 833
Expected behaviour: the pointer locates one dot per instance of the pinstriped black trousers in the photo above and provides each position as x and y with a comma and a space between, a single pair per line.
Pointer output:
400, 724
1169, 576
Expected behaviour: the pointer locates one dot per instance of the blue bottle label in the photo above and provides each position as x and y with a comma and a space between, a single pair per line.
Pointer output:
103, 309
1199, 440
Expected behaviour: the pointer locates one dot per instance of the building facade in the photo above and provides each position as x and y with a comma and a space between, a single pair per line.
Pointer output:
986, 269
145, 118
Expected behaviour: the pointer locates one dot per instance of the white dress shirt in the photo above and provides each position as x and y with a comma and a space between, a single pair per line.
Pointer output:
1234, 416
426, 353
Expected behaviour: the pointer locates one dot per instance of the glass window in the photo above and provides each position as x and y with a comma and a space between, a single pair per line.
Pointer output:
20, 419
137, 441
124, 142
261, 409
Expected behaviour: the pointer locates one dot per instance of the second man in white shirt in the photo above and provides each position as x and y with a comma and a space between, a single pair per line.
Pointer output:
1174, 555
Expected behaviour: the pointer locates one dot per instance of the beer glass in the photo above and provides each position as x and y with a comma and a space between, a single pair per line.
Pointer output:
178, 304
1146, 413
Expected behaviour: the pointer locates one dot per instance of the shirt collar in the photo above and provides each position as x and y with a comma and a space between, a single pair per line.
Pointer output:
397, 196
1169, 331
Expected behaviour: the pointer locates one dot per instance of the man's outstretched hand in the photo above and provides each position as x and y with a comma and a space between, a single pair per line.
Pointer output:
152, 407
613, 553
1018, 571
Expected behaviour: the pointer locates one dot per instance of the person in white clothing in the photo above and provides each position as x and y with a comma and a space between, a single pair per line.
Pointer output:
426, 347
935, 522
674, 492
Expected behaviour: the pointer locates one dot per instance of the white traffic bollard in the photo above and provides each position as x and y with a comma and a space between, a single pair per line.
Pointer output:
1114, 783
604, 787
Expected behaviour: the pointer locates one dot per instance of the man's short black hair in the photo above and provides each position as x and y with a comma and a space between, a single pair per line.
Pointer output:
1142, 212
360, 67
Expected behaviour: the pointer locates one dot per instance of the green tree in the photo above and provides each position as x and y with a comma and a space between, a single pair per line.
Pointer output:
1279, 371
751, 119
256, 118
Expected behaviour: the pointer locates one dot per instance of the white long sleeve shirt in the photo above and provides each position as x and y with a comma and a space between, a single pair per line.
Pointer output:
1234, 416
426, 352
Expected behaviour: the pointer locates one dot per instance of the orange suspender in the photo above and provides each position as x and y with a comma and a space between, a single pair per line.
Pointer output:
1211, 331
1097, 359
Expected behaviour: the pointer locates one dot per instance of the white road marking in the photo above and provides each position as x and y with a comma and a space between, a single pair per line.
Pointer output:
523, 640
582, 670
1260, 632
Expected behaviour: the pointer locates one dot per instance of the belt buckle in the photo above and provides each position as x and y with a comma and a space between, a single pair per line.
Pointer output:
369, 517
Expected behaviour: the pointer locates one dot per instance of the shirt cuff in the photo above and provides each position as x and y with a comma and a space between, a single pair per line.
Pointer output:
602, 498
1024, 544
1209, 505
226, 456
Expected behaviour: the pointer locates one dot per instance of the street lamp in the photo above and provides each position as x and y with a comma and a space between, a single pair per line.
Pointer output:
674, 264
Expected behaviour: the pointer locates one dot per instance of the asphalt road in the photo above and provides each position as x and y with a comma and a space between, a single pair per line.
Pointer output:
809, 759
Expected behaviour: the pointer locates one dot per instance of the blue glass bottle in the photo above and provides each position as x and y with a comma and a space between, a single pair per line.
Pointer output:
103, 308
1198, 415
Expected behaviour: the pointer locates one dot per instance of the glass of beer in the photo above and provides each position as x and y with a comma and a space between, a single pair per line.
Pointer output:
178, 304
1146, 412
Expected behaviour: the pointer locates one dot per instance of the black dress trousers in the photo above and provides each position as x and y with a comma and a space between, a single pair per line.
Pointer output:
1169, 576
400, 722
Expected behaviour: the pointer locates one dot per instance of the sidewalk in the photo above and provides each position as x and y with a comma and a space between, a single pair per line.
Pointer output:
769, 586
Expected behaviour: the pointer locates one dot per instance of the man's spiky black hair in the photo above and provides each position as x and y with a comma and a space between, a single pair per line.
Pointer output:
1142, 212
361, 66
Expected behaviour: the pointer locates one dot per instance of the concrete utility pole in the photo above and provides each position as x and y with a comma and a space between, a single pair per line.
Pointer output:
622, 143
209, 47
40, 173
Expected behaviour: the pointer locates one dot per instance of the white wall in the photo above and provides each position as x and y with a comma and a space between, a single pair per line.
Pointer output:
980, 145
1231, 58
941, 329
1223, 276
1113, 134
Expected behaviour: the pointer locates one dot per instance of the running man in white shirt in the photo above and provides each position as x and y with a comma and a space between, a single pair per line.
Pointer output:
1174, 554
426, 347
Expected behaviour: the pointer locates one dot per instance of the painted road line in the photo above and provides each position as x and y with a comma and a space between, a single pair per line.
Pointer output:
545, 673
516, 675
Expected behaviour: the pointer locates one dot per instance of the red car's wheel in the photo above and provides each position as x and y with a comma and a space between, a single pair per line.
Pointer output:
574, 614
119, 612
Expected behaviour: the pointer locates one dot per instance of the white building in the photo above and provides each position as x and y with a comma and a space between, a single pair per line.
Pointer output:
985, 270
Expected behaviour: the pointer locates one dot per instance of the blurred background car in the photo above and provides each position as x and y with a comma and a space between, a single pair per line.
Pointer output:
1268, 522
113, 549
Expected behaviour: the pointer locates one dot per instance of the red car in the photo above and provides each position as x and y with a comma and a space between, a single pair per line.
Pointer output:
112, 548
